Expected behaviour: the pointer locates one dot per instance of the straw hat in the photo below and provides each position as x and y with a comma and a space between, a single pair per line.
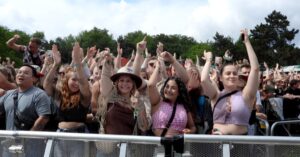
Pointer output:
129, 72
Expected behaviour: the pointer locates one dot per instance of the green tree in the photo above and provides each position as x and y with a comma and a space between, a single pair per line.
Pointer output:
98, 37
221, 44
128, 42
197, 50
5, 51
273, 40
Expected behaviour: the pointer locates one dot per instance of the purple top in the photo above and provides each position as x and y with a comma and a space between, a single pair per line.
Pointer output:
239, 114
161, 117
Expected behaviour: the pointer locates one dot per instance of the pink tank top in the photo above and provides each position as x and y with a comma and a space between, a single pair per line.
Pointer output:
239, 114
161, 117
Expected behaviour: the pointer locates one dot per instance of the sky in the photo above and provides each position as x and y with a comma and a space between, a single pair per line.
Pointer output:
200, 19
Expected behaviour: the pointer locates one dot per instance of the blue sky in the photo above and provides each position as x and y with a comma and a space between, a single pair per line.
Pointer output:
200, 19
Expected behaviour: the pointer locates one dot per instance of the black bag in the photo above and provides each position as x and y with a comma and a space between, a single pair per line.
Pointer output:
20, 123
2, 121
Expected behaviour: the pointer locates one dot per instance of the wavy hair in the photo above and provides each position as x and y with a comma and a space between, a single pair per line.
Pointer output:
183, 97
69, 100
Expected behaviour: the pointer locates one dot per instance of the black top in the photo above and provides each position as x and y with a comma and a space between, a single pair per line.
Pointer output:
75, 114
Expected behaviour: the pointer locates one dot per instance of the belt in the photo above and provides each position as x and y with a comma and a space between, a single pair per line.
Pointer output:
80, 129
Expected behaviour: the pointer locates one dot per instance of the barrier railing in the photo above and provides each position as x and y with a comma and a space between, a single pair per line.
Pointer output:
227, 145
283, 123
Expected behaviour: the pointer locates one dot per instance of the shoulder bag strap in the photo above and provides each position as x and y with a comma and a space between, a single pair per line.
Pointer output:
169, 122
222, 97
15, 98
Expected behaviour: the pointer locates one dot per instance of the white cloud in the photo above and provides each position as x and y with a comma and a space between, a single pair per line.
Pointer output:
199, 19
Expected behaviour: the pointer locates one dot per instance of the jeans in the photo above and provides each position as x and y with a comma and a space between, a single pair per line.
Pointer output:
67, 148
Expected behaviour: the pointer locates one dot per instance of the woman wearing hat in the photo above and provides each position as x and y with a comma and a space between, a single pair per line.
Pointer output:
119, 106
232, 106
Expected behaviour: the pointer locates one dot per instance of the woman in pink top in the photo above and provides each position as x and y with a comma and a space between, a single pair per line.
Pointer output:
232, 113
173, 92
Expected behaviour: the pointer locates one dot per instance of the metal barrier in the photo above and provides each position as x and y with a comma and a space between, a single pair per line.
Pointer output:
219, 145
282, 123
266, 125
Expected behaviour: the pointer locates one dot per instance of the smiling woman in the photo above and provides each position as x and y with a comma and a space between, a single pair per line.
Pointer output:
72, 97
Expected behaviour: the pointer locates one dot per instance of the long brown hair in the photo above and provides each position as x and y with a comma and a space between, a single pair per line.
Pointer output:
69, 100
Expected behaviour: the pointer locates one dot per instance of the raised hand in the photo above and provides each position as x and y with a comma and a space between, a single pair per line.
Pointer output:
167, 56
207, 56
160, 48
91, 52
56, 55
77, 53
244, 33
16, 36
119, 49
141, 46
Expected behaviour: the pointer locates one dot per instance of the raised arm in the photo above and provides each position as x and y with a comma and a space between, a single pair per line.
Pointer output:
48, 83
154, 95
208, 88
95, 95
130, 61
119, 56
249, 92
139, 58
106, 83
11, 43
82, 79
180, 70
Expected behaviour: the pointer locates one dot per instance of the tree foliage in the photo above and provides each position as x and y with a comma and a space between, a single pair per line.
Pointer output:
272, 41
221, 44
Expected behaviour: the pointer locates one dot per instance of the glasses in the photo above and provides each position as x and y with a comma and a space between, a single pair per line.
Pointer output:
100, 67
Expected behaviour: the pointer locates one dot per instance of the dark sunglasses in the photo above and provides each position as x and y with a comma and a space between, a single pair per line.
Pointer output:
100, 67
61, 73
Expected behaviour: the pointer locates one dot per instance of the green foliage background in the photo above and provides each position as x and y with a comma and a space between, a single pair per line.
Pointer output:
272, 41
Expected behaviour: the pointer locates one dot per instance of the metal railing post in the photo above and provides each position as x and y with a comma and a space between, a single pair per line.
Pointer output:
49, 147
226, 149
123, 150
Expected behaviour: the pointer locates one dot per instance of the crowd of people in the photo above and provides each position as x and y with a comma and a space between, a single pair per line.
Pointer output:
150, 95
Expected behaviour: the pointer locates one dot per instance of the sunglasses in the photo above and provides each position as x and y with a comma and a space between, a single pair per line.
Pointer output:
61, 73
100, 67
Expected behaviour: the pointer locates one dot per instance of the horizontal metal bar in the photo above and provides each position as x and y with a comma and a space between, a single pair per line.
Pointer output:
274, 140
81, 136
191, 138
